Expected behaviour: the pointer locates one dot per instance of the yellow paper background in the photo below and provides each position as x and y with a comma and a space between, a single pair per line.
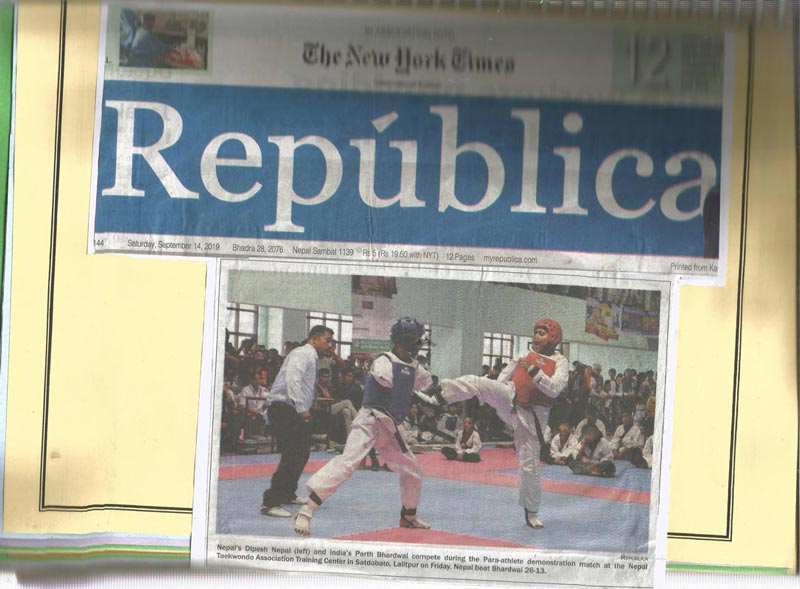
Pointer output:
762, 529
126, 333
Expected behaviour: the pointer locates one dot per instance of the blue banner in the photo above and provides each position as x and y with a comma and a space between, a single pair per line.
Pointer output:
366, 167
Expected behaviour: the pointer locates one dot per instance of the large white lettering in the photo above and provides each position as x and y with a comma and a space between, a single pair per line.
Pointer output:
706, 181
573, 123
211, 160
530, 161
496, 173
286, 197
680, 202
407, 194
173, 128
604, 180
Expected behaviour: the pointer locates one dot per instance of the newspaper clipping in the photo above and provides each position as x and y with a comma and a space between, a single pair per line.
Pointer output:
376, 136
463, 477
447, 245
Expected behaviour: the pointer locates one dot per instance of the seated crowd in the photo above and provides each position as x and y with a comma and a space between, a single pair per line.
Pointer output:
595, 420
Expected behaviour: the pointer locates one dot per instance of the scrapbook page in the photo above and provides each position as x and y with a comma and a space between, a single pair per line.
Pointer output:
117, 341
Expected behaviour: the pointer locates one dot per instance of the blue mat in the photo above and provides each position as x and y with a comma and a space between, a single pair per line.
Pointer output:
370, 501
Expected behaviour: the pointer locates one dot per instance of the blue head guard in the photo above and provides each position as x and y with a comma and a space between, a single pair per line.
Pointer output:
407, 332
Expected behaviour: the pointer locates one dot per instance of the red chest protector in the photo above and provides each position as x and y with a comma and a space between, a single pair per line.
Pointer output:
527, 392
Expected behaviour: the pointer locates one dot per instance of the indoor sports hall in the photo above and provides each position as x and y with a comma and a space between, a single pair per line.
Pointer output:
472, 328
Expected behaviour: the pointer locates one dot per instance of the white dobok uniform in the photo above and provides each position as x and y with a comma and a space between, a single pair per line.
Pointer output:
499, 394
565, 450
598, 424
471, 446
374, 428
647, 451
601, 452
632, 438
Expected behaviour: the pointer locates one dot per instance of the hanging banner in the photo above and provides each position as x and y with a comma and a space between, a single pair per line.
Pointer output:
639, 322
373, 313
603, 319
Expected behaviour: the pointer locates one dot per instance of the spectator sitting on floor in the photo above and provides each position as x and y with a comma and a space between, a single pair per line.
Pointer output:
468, 445
232, 421
627, 438
324, 398
562, 446
449, 424
640, 408
427, 425
647, 454
411, 424
592, 446
252, 404
650, 406
642, 457
593, 455
600, 398
349, 389
590, 419
333, 362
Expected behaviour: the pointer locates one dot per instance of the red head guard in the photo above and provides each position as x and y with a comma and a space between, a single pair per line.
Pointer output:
553, 330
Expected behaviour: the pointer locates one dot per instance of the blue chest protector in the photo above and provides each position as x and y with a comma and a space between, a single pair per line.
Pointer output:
394, 400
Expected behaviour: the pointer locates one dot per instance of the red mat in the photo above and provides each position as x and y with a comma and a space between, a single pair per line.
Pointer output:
484, 472
252, 471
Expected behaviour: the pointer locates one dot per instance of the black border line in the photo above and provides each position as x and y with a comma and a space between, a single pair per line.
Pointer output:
43, 505
728, 535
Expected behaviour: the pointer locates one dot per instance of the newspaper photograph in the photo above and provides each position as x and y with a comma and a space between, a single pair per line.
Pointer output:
496, 427
376, 135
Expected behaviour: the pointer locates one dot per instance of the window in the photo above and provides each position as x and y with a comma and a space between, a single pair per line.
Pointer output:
242, 323
497, 346
342, 326
426, 350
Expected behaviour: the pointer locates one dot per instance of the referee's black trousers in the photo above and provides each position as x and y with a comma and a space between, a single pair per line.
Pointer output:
293, 436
